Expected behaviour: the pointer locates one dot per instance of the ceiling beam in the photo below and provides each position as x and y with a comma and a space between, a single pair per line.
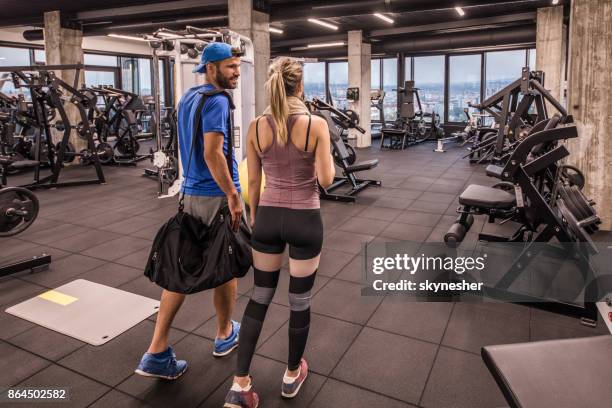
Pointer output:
308, 40
300, 10
174, 7
515, 19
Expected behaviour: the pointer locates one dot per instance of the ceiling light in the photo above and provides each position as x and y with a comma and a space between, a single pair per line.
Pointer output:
555, 2
125, 37
323, 23
275, 30
460, 11
329, 44
384, 18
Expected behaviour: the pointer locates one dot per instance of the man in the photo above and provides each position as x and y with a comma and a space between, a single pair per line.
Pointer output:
208, 186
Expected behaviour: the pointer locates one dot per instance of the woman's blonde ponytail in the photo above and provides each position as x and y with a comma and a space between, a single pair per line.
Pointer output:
284, 78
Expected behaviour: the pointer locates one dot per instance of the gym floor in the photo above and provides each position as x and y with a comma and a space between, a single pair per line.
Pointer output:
363, 351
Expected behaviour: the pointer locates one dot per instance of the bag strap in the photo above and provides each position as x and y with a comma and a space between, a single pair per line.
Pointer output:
196, 131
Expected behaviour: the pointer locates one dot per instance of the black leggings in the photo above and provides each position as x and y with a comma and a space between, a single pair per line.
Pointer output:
277, 226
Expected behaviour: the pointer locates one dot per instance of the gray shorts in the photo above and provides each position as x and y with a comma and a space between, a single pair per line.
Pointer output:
205, 207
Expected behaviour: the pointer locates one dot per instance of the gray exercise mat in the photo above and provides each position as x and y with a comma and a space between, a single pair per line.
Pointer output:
86, 310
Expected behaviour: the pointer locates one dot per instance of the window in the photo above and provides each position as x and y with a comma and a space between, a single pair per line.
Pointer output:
464, 86
10, 56
502, 68
375, 84
407, 68
39, 56
129, 79
314, 80
429, 78
389, 79
101, 60
145, 84
532, 59
375, 74
97, 78
338, 83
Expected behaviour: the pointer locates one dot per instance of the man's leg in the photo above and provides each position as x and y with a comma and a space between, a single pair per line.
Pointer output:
169, 306
225, 300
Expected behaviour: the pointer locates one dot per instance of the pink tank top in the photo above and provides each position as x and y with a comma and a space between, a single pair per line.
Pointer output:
291, 181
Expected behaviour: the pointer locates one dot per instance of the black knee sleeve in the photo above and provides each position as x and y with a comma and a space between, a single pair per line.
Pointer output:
299, 318
254, 315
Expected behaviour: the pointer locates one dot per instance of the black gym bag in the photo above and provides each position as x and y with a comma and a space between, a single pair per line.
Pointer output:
189, 256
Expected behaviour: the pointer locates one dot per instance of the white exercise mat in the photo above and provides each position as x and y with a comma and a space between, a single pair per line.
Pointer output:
86, 310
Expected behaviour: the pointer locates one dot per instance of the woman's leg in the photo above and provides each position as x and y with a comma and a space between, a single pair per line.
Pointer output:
302, 279
266, 272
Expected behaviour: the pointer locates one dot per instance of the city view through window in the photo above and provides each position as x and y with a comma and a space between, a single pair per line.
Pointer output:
464, 85
465, 76
429, 79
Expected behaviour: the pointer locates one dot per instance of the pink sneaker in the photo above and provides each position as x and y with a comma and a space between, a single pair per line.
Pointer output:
292, 385
237, 398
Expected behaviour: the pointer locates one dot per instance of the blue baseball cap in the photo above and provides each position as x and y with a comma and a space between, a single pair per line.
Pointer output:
213, 52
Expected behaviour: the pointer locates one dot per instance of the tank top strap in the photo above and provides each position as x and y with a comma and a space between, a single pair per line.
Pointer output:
273, 127
257, 133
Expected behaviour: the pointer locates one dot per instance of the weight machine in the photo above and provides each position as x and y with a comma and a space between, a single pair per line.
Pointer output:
345, 158
410, 127
377, 97
515, 109
552, 212
183, 47
48, 94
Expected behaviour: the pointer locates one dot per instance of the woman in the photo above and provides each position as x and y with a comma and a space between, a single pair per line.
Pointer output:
293, 148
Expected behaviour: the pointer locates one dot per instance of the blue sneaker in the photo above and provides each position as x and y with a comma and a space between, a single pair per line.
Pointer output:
225, 346
161, 365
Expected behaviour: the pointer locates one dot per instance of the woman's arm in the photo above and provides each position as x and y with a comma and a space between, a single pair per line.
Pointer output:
324, 163
254, 168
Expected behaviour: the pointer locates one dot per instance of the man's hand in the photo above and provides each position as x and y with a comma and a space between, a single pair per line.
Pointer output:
235, 207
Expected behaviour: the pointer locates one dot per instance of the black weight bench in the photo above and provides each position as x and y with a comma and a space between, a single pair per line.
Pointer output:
557, 373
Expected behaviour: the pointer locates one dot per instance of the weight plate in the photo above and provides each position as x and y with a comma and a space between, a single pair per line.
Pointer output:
573, 176
82, 130
568, 198
105, 153
18, 210
421, 127
59, 125
583, 205
85, 157
68, 158
352, 156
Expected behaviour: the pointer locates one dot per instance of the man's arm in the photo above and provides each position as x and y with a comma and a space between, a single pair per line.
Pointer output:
217, 162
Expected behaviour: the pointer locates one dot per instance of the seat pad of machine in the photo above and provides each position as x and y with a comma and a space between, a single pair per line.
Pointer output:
361, 166
486, 197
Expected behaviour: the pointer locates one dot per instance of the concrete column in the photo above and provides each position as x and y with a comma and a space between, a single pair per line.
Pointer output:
550, 50
63, 46
253, 24
590, 99
359, 56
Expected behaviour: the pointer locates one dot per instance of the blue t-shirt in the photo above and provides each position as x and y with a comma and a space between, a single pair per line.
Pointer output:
215, 114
